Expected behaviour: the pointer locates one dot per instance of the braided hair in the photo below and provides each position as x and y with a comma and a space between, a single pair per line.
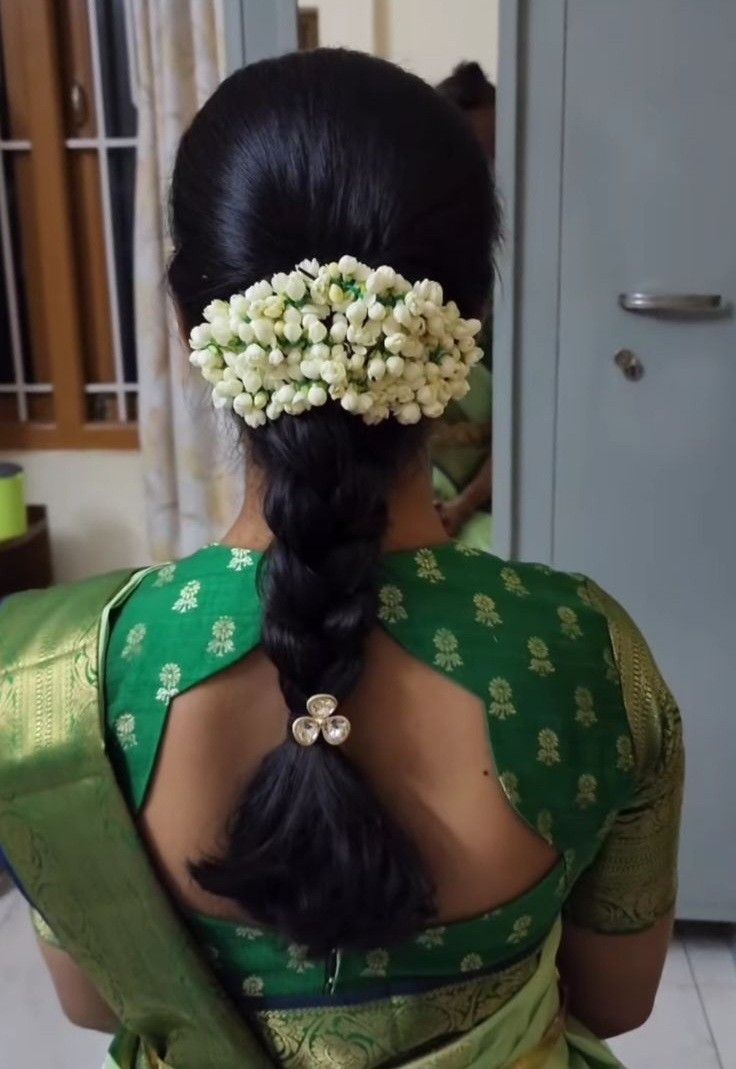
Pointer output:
315, 155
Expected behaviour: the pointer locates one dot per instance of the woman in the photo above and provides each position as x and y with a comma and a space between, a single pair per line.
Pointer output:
357, 780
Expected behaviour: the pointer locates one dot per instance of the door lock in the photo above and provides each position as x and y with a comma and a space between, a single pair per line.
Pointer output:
630, 364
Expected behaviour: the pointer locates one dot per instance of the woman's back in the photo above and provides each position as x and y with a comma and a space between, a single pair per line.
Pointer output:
489, 721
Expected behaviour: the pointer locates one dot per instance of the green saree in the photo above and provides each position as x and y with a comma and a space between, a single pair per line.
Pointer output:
460, 443
67, 829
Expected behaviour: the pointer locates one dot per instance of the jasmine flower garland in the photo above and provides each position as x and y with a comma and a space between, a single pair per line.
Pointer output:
367, 339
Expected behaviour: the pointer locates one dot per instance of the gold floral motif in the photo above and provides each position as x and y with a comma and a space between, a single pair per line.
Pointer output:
471, 963
253, 986
432, 937
568, 873
125, 731
447, 655
391, 609
611, 669
298, 960
467, 551
427, 566
512, 581
485, 611
188, 597
587, 788
584, 707
376, 963
221, 642
540, 663
544, 824
250, 934
510, 783
543, 568
169, 678
569, 623
549, 747
165, 575
134, 642
502, 699
520, 930
584, 595
240, 559
607, 825
625, 752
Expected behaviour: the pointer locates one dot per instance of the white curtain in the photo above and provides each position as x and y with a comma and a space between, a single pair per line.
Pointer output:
192, 476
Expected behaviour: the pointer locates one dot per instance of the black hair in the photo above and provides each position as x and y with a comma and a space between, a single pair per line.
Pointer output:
468, 87
322, 154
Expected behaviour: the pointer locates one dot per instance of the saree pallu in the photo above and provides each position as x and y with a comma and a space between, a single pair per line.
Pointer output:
71, 841
530, 1031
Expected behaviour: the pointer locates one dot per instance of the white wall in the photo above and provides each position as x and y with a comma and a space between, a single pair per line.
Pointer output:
95, 507
429, 37
426, 36
345, 23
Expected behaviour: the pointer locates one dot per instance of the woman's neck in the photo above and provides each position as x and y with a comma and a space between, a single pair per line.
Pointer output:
413, 518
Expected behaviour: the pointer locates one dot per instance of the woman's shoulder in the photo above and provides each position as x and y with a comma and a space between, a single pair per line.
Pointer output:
456, 571
527, 623
195, 616
193, 586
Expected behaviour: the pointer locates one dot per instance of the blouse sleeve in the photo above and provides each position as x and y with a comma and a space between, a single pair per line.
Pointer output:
43, 931
633, 881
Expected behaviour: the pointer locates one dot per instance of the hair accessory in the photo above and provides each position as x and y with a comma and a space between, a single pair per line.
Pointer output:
342, 331
322, 719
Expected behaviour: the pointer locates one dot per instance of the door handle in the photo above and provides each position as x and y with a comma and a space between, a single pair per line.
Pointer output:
673, 304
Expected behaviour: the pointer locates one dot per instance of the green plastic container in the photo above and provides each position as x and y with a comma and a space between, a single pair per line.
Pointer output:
13, 516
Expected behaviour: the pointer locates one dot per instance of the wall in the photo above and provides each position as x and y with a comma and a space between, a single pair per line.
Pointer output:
345, 24
427, 36
95, 505
430, 36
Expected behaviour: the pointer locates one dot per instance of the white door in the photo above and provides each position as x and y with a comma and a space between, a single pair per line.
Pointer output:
644, 493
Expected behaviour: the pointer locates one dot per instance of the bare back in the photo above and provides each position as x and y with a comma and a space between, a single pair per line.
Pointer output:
421, 741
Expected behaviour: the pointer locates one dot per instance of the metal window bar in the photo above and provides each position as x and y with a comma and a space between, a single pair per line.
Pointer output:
28, 387
91, 387
11, 288
100, 144
111, 387
130, 43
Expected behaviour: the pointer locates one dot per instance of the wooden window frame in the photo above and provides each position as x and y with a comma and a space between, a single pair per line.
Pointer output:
308, 28
57, 314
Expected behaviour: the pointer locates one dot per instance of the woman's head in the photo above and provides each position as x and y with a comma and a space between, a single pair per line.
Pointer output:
316, 155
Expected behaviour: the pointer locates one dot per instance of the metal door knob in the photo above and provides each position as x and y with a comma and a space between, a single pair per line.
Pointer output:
630, 364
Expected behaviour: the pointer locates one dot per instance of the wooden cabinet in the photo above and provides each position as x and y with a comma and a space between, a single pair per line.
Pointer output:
25, 562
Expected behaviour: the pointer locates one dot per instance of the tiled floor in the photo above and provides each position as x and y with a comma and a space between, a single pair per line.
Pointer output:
693, 1025
694, 1021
